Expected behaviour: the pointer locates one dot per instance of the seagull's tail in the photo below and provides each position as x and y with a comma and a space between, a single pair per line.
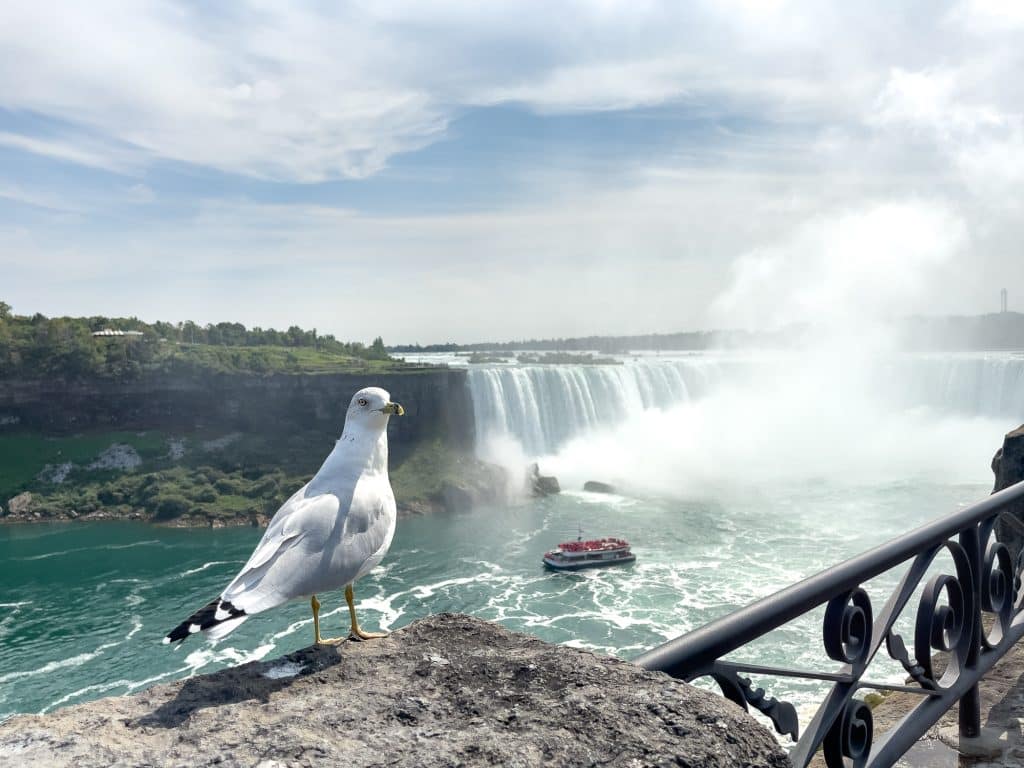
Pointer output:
216, 619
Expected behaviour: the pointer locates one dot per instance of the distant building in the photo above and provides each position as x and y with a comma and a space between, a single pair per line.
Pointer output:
112, 332
1002, 302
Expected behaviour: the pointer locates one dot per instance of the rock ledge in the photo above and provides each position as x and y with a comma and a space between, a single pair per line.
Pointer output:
448, 690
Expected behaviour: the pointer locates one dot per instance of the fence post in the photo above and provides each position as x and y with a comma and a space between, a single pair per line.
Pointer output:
969, 708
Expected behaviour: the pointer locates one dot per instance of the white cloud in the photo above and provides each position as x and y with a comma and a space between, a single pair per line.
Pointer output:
297, 92
980, 136
646, 256
72, 152
893, 132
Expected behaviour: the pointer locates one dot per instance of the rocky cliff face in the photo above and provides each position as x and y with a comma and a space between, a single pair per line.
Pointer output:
447, 690
438, 403
1008, 467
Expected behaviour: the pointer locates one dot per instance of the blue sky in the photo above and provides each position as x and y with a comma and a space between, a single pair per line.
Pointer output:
463, 171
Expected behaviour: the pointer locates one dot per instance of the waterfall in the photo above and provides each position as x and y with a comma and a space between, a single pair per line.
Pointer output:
544, 406
984, 385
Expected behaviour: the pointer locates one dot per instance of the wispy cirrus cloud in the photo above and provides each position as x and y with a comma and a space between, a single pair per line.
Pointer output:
69, 151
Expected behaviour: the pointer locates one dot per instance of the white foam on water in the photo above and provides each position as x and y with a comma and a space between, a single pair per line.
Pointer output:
384, 607
424, 591
48, 555
292, 629
609, 499
7, 622
53, 666
149, 543
210, 564
101, 548
136, 628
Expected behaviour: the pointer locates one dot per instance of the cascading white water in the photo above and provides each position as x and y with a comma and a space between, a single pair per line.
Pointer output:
990, 385
542, 407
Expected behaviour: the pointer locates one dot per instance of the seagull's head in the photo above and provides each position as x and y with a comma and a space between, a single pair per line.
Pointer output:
370, 409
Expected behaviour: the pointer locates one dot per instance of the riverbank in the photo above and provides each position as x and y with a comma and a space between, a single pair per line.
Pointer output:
434, 478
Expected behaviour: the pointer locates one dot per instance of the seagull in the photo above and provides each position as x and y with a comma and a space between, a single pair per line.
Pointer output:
332, 531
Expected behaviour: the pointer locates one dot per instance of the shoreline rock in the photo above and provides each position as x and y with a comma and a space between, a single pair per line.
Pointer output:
539, 485
1008, 468
446, 690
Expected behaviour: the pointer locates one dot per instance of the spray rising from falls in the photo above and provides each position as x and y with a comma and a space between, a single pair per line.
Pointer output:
706, 418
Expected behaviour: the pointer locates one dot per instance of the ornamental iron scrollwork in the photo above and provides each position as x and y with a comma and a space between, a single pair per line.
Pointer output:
984, 580
997, 591
739, 690
948, 627
940, 626
850, 736
847, 627
898, 650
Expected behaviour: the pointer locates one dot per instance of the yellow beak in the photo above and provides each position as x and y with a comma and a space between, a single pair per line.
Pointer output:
394, 409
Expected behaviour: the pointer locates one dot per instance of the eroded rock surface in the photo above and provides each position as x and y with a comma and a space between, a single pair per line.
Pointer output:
448, 690
1008, 468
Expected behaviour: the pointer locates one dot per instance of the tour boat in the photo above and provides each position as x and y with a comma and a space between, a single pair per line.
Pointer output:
596, 553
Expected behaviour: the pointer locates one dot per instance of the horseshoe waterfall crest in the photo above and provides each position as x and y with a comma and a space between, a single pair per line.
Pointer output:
544, 406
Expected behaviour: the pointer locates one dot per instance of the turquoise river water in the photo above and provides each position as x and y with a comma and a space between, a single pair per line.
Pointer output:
85, 605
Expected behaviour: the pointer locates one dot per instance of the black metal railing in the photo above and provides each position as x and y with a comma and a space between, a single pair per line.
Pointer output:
982, 579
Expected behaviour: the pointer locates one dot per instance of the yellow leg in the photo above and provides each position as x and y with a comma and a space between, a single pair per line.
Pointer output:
315, 605
356, 633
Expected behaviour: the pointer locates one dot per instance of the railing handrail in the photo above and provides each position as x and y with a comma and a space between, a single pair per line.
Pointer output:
727, 633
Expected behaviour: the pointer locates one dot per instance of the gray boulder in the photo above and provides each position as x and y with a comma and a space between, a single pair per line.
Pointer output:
20, 505
446, 690
541, 485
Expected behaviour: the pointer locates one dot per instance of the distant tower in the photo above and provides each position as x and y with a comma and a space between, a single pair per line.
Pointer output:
1002, 301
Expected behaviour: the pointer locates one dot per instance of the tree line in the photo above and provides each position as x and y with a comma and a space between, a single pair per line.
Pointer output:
35, 345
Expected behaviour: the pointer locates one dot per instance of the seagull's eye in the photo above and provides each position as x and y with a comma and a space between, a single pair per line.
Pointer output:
362, 401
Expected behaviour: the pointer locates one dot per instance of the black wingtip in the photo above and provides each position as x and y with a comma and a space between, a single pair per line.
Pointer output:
207, 617
178, 634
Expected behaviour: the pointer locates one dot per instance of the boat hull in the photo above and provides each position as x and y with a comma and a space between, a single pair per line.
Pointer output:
582, 565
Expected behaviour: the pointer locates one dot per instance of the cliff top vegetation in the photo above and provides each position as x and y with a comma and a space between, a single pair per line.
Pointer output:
37, 346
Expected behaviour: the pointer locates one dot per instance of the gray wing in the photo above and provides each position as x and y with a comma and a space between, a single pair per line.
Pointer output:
300, 527
312, 545
367, 529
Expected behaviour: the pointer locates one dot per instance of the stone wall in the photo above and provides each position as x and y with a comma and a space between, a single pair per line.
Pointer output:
448, 690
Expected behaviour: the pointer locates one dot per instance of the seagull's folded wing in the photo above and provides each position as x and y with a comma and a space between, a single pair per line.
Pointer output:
259, 585
365, 530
